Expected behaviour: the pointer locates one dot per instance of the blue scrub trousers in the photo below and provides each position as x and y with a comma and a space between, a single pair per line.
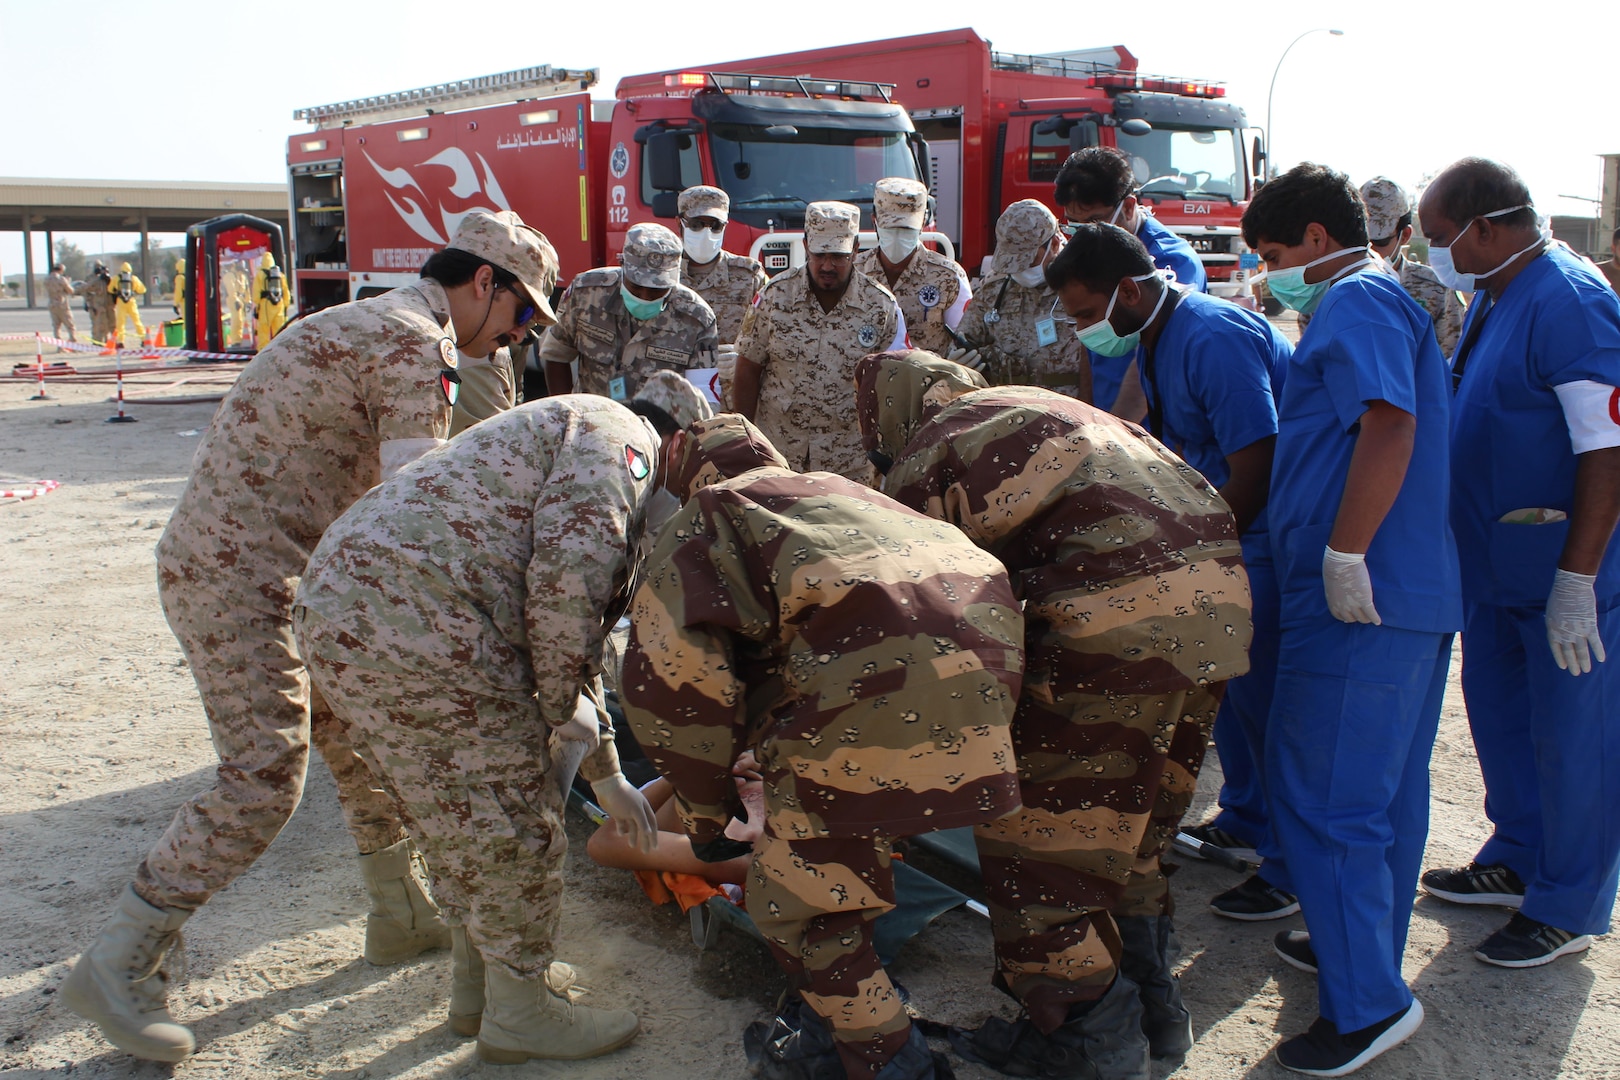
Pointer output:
1347, 767
1240, 731
1549, 748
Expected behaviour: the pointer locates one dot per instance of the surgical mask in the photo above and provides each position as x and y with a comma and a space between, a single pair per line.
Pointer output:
639, 309
1452, 278
1032, 278
1101, 337
1293, 291
896, 244
701, 244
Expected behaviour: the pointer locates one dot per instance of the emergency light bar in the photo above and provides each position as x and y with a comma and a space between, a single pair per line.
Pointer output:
1158, 84
809, 86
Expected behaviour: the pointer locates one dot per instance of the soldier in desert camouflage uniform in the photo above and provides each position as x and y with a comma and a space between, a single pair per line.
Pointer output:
800, 341
99, 300
727, 282
622, 323
332, 405
1014, 323
1136, 611
1389, 223
932, 289
453, 618
59, 291
870, 659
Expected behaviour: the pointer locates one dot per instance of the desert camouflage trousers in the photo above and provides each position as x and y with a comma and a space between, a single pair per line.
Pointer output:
101, 322
486, 816
815, 902
1105, 781
62, 316
262, 714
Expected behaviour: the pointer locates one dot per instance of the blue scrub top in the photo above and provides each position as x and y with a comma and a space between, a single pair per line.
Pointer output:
1169, 252
1368, 341
1557, 322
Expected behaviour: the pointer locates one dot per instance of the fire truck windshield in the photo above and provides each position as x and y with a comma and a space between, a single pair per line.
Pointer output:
791, 166
1186, 162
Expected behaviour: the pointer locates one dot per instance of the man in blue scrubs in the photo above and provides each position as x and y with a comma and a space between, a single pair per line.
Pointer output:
1210, 373
1367, 571
1097, 185
1535, 493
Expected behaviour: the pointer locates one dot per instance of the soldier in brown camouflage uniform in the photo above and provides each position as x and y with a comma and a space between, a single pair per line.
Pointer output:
870, 659
800, 341
727, 282
100, 302
59, 291
932, 289
1136, 609
1389, 223
453, 618
622, 323
335, 403
1014, 324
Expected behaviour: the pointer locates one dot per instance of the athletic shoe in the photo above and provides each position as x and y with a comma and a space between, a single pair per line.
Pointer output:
1219, 838
1524, 942
1475, 884
1255, 900
1322, 1051
1294, 946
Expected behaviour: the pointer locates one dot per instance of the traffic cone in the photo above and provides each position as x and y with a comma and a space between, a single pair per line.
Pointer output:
151, 343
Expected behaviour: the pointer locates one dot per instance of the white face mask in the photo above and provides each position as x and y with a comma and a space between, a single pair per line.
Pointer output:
1452, 278
896, 244
702, 245
1032, 278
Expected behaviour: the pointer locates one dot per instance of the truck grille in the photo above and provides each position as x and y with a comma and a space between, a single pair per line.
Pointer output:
1210, 245
775, 258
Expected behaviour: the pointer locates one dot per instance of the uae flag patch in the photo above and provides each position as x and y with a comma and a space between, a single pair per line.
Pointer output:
640, 469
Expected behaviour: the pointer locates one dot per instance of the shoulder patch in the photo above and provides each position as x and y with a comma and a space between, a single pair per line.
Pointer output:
928, 296
867, 336
640, 469
447, 352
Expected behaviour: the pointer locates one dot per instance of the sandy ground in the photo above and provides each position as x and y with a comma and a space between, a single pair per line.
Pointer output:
103, 736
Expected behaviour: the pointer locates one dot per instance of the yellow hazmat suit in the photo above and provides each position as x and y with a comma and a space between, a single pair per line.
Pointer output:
270, 299
179, 286
125, 287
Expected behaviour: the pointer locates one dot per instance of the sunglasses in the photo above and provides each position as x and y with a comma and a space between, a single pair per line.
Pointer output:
450, 383
527, 310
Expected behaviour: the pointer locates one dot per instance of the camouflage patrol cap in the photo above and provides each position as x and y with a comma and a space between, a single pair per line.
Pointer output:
899, 203
674, 395
1023, 229
831, 227
652, 256
521, 250
897, 392
1387, 202
704, 201
721, 448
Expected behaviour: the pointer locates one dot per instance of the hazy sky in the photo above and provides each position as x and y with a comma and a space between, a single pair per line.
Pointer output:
1407, 89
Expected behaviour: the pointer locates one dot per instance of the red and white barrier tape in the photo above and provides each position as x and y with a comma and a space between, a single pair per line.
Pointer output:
36, 489
139, 350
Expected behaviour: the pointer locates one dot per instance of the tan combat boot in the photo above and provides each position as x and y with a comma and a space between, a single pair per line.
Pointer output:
404, 920
467, 983
524, 1018
117, 982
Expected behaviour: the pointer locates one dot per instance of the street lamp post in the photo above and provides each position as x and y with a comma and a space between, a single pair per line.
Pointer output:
1271, 137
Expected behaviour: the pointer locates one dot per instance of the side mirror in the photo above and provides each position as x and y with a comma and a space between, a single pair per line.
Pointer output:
666, 204
919, 153
1258, 160
1082, 135
1053, 125
663, 151
1136, 126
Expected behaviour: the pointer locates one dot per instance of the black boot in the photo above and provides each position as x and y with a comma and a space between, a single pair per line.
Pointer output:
793, 1045
1100, 1040
1151, 951
916, 1061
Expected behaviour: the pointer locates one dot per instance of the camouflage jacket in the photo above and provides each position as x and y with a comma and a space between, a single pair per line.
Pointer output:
97, 298
728, 286
326, 410
928, 290
594, 327
870, 657
1126, 559
1000, 322
59, 290
499, 562
808, 359
1444, 306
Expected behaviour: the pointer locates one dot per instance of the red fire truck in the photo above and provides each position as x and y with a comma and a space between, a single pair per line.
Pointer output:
382, 182
999, 125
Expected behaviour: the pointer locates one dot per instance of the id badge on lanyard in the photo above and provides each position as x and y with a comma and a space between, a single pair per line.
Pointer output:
616, 389
1046, 329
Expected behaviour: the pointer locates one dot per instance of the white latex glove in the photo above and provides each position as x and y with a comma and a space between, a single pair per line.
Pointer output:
584, 726
630, 811
1349, 589
966, 357
1572, 628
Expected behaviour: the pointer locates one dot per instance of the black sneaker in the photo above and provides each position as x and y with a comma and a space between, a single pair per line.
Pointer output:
1294, 946
1255, 900
1524, 942
1475, 884
1322, 1051
1217, 838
